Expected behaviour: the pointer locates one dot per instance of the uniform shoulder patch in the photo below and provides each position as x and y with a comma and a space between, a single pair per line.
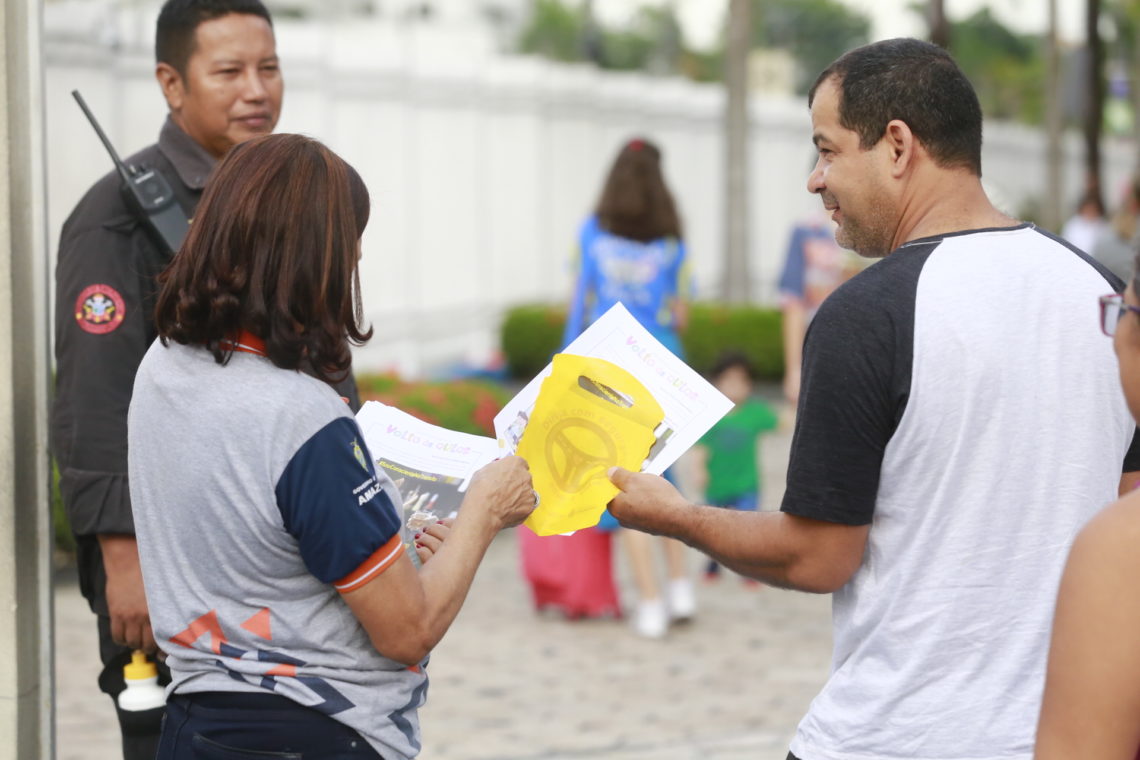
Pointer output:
359, 454
99, 309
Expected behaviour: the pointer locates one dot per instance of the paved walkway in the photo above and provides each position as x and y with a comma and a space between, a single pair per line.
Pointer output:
511, 685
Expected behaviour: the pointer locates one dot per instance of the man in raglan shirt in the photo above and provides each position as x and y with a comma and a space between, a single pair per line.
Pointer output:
959, 419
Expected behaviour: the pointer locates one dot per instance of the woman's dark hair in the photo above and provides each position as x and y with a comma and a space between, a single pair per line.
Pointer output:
273, 250
917, 83
178, 22
635, 202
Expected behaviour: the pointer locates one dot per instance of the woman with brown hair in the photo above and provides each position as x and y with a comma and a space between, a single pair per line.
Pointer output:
630, 250
273, 552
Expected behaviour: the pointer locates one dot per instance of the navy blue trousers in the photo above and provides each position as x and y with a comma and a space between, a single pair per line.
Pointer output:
241, 726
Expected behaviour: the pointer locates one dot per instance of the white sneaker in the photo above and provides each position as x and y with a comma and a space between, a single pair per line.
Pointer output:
651, 620
682, 599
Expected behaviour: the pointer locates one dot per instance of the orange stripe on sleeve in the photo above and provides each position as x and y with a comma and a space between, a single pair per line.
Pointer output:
381, 560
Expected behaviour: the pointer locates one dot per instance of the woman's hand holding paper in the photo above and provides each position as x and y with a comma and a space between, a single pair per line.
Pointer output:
503, 489
432, 537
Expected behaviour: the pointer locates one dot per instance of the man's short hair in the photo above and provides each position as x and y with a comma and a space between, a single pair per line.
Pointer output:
179, 20
917, 83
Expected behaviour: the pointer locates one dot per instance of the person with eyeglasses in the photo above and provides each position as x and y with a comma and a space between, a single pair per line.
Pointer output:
1091, 706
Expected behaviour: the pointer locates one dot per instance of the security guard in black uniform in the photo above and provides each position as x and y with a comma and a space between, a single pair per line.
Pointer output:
217, 67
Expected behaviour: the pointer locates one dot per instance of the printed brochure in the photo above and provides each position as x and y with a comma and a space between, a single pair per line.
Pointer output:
431, 466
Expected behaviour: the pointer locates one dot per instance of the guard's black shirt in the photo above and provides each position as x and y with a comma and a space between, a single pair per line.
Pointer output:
105, 293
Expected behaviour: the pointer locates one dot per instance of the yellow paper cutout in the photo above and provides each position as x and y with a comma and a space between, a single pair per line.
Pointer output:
589, 416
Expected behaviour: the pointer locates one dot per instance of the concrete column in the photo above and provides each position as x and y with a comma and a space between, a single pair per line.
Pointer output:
25, 536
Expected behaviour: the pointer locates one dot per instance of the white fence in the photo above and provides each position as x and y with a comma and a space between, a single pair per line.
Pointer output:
481, 166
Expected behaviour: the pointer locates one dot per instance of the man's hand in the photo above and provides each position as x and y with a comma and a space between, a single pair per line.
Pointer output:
647, 502
126, 600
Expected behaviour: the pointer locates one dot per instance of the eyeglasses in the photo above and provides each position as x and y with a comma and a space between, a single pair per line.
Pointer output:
1112, 310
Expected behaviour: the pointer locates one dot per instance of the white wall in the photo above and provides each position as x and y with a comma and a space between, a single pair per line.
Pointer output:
481, 167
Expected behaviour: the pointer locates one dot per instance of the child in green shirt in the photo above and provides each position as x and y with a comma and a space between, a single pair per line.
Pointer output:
731, 477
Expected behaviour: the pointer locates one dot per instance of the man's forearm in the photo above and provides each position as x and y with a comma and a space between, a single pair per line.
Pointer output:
778, 548
760, 545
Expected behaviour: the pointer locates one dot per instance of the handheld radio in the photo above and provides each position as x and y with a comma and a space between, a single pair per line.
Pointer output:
147, 192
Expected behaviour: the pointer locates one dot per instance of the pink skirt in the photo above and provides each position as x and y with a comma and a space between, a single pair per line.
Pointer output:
571, 573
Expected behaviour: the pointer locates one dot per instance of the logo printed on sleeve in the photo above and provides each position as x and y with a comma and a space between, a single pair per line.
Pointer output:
359, 454
99, 309
370, 487
373, 489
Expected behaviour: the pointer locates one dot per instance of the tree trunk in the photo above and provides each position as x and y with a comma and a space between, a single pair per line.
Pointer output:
1134, 84
591, 41
1052, 217
1094, 103
736, 284
939, 25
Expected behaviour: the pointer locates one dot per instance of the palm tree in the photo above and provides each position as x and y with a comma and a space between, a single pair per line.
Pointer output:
1053, 126
1094, 103
939, 24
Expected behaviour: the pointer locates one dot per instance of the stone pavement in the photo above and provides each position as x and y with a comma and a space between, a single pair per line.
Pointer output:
508, 684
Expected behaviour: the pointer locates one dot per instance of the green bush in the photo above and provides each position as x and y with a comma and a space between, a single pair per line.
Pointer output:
756, 332
533, 332
468, 406
530, 335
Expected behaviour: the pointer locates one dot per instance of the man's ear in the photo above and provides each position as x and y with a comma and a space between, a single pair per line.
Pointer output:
901, 145
173, 87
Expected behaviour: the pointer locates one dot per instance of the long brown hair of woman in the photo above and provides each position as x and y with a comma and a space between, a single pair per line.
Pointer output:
636, 202
272, 250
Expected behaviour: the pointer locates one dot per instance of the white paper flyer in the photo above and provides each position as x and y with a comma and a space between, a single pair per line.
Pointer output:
431, 466
691, 404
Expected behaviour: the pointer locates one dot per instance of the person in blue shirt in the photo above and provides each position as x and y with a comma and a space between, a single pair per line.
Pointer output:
631, 250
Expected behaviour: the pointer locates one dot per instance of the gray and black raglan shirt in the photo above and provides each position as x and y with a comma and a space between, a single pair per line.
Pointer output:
959, 397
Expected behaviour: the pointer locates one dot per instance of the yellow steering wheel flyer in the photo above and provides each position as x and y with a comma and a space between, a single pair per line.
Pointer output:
589, 416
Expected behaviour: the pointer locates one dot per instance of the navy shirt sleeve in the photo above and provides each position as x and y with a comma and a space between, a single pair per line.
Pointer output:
332, 503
